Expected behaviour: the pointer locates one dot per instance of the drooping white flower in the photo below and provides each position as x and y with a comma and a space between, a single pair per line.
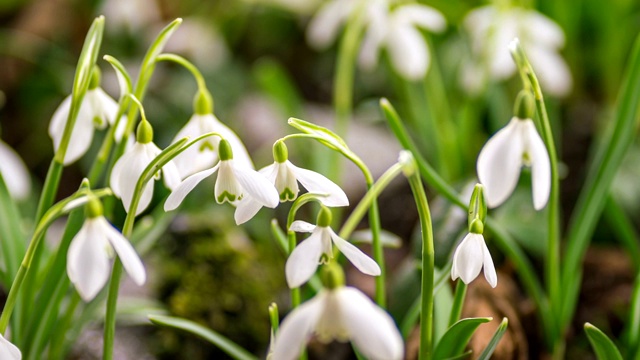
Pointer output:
285, 177
8, 351
96, 111
503, 156
14, 172
470, 257
129, 168
203, 155
305, 258
343, 314
88, 257
236, 183
491, 30
394, 28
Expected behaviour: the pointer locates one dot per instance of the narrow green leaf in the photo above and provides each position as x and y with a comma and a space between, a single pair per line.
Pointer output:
455, 340
124, 80
280, 236
603, 346
488, 351
224, 344
634, 321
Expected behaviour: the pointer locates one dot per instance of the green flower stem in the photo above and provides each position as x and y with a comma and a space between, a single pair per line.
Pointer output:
334, 142
52, 214
634, 323
508, 245
154, 166
197, 75
458, 302
428, 267
57, 348
552, 264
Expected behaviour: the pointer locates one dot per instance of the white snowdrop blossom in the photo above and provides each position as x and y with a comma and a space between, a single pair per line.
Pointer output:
88, 257
129, 168
203, 155
491, 30
392, 27
503, 156
470, 257
343, 314
305, 258
14, 172
96, 111
8, 351
236, 183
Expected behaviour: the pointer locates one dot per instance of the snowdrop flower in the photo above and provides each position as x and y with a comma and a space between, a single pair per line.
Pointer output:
394, 29
305, 258
503, 156
96, 111
236, 183
8, 351
14, 172
90, 250
132, 163
470, 257
342, 313
285, 176
203, 155
491, 29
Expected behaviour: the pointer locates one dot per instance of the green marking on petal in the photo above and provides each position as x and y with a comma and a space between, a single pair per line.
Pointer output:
98, 121
287, 195
206, 146
226, 196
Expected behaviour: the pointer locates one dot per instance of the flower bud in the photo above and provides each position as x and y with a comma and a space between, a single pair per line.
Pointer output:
144, 133
525, 106
94, 82
203, 102
93, 209
224, 150
324, 217
280, 152
332, 276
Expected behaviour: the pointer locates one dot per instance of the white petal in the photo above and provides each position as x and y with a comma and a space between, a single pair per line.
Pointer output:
130, 259
499, 163
171, 175
246, 209
359, 259
227, 187
256, 185
270, 172
87, 260
286, 182
198, 157
319, 184
421, 15
126, 173
180, 192
14, 172
82, 133
540, 165
108, 108
469, 257
240, 153
323, 28
8, 351
408, 52
543, 30
489, 269
372, 330
301, 226
377, 29
502, 32
304, 260
551, 69
296, 328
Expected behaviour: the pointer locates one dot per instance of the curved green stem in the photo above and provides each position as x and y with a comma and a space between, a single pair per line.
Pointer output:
197, 75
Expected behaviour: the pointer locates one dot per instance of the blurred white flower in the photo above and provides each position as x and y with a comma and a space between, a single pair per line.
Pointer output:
236, 183
133, 15
343, 313
470, 257
14, 172
394, 28
503, 156
203, 155
96, 111
492, 29
129, 167
88, 257
305, 258
199, 41
8, 351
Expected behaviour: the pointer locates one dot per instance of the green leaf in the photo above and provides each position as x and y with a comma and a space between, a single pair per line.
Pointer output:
456, 338
605, 348
488, 351
232, 349
327, 136
124, 80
